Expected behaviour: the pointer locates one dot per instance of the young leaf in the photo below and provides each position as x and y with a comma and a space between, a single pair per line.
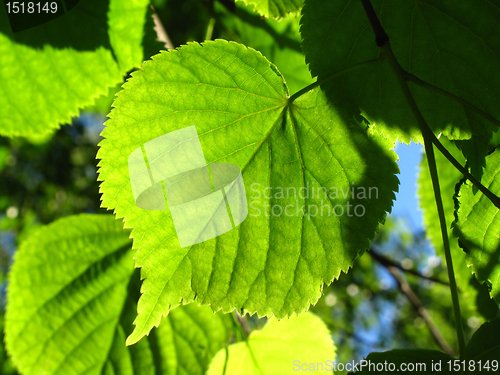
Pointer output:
72, 299
477, 226
417, 361
337, 34
278, 348
50, 71
274, 8
271, 262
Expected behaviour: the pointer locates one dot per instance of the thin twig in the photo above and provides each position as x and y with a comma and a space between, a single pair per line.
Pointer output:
388, 262
161, 33
421, 310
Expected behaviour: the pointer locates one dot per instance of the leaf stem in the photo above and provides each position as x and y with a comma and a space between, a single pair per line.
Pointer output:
239, 328
331, 76
412, 78
238, 325
491, 196
431, 161
385, 50
429, 150
381, 36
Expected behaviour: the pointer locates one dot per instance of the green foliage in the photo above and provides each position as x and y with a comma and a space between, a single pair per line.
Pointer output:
291, 149
50, 71
277, 346
337, 34
274, 8
477, 227
80, 268
72, 300
279, 41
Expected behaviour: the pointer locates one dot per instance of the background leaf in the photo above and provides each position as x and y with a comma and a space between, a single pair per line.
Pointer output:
72, 299
50, 71
279, 41
337, 34
477, 226
274, 8
237, 101
473, 296
276, 348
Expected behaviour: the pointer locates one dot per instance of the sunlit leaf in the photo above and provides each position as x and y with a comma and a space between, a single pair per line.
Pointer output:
50, 71
271, 262
281, 347
274, 8
72, 299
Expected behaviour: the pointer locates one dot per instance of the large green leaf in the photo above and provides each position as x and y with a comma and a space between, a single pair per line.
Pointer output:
50, 71
72, 299
279, 41
337, 34
477, 226
274, 8
278, 348
417, 361
473, 296
238, 103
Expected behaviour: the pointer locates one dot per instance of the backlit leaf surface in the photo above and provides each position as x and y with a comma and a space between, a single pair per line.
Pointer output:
274, 261
72, 299
50, 71
274, 8
281, 347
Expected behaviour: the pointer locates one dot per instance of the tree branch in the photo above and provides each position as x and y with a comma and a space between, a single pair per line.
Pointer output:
419, 308
390, 263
